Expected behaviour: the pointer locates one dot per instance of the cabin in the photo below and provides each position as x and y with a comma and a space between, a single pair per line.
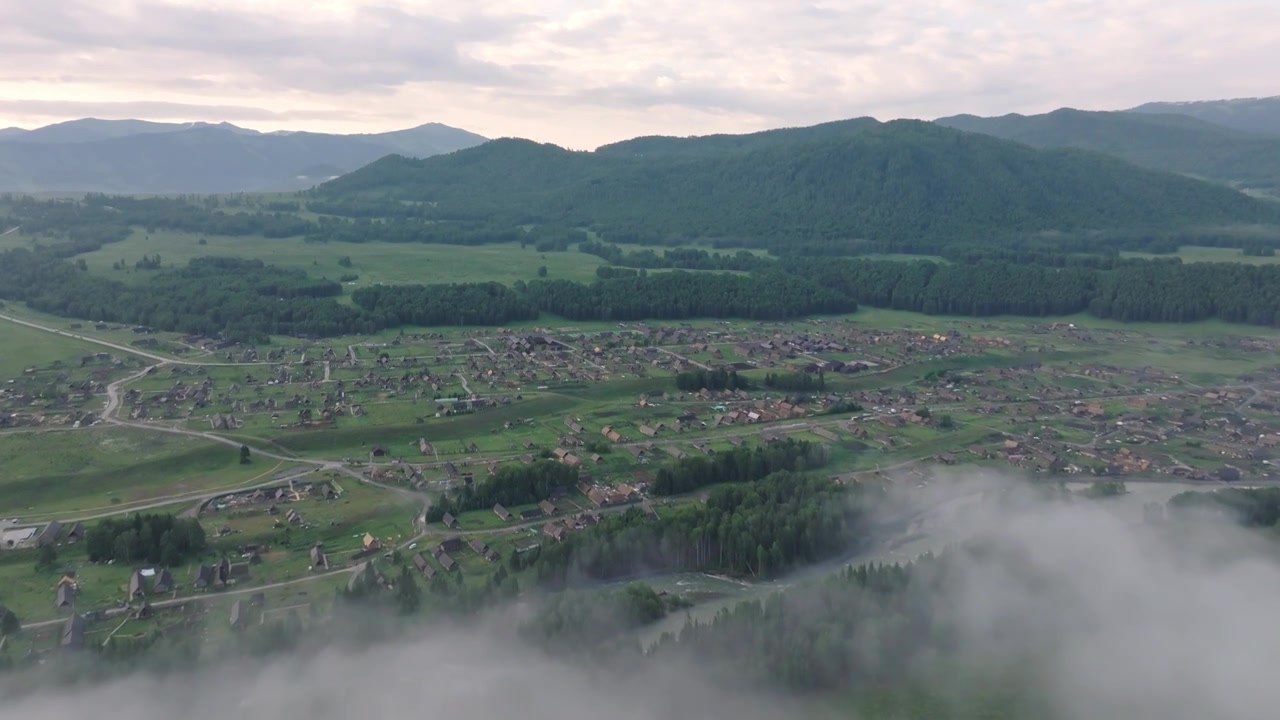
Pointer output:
64, 597
72, 634
203, 577
49, 534
239, 616
76, 534
547, 507
502, 513
318, 559
137, 585
450, 521
453, 544
422, 564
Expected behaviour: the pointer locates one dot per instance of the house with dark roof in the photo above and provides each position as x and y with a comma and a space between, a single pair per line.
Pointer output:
49, 534
358, 575
452, 544
447, 562
72, 634
547, 507
64, 597
318, 559
203, 577
76, 534
162, 582
502, 513
239, 615
450, 521
137, 585
555, 531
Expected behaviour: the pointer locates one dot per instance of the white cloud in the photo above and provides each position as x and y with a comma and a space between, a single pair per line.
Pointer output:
585, 73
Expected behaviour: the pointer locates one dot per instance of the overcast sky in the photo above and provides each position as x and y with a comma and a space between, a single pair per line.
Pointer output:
583, 72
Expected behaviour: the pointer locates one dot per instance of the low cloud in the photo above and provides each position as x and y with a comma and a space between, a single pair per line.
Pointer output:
1111, 617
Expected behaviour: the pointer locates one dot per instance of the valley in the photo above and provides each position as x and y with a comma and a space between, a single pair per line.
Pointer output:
643, 399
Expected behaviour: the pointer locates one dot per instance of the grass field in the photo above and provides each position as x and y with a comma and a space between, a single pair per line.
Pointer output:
391, 263
103, 469
1195, 253
23, 347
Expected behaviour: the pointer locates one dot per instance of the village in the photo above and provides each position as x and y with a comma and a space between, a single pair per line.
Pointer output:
344, 446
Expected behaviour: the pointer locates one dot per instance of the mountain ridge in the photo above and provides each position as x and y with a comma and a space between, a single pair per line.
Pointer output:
900, 179
135, 156
1259, 115
1172, 143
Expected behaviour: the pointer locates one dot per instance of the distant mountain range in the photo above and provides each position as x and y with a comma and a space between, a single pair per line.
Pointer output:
1176, 143
900, 181
1255, 115
136, 156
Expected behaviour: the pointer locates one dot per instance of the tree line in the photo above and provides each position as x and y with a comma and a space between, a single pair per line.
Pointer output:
796, 382
511, 485
741, 464
678, 295
681, 258
761, 529
157, 539
703, 379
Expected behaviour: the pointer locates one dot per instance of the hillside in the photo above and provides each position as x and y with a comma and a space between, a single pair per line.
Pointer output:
897, 180
1175, 143
1255, 115
132, 156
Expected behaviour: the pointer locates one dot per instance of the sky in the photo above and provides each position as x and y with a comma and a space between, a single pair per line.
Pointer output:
581, 74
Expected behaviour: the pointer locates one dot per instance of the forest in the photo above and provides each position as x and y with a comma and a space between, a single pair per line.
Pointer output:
762, 529
228, 297
680, 295
907, 181
510, 486
1251, 507
160, 539
700, 379
739, 465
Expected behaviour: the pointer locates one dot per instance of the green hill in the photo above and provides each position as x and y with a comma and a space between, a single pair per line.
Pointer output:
902, 180
1176, 143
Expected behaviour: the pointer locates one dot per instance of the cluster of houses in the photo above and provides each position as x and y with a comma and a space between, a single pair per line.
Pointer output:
291, 492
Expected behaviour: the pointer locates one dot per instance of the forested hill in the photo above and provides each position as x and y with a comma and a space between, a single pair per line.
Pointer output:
897, 180
1176, 143
1256, 115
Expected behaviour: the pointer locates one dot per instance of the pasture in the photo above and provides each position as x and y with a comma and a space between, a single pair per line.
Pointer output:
23, 347
104, 469
374, 262
1195, 253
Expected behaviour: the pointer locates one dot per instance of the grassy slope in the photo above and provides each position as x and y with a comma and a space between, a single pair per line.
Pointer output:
23, 347
391, 263
104, 468
1192, 253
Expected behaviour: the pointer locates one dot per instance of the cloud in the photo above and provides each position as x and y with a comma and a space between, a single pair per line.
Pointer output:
1111, 616
460, 673
583, 74
1108, 616
158, 110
